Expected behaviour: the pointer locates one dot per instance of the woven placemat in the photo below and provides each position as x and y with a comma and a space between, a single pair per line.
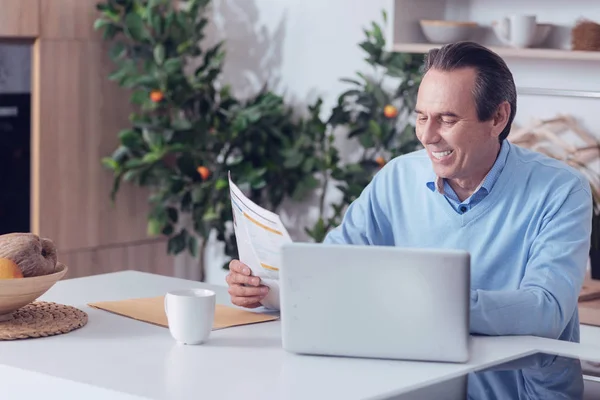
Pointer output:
41, 319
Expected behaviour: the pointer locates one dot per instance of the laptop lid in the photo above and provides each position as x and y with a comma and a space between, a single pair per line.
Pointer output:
373, 301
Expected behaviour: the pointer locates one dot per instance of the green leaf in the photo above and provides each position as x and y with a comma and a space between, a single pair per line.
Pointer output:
129, 138
356, 131
181, 124
118, 74
147, 81
131, 175
150, 158
193, 245
159, 54
294, 160
101, 23
152, 138
168, 230
110, 163
374, 128
187, 164
221, 184
183, 47
198, 194
172, 214
318, 232
258, 184
120, 154
117, 51
172, 65
154, 3
308, 165
134, 163
157, 24
178, 242
129, 82
110, 32
168, 135
139, 97
210, 215
352, 81
134, 27
155, 226
366, 141
378, 35
311, 182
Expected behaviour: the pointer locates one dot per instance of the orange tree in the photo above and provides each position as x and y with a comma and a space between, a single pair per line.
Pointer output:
188, 130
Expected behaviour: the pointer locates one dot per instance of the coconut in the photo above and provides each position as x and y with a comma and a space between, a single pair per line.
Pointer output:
35, 256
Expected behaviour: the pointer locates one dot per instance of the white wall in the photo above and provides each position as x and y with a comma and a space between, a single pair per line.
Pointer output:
554, 74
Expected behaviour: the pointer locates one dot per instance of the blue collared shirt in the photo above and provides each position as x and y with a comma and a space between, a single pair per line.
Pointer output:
481, 192
528, 239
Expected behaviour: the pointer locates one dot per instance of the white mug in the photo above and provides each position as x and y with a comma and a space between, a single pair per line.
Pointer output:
523, 29
190, 314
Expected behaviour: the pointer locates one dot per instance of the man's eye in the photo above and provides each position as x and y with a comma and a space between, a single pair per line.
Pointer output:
448, 121
422, 119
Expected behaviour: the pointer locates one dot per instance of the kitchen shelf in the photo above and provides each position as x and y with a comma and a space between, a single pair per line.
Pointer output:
508, 52
404, 32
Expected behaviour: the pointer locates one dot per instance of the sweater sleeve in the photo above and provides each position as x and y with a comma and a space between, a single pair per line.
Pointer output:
366, 220
547, 297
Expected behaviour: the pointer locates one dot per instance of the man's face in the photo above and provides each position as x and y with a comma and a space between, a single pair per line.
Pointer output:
460, 147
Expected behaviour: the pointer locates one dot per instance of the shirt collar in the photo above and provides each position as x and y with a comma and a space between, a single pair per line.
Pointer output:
436, 183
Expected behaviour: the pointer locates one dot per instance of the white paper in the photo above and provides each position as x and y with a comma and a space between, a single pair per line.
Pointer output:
260, 234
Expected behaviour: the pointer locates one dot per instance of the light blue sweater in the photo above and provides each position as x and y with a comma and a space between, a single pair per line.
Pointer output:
529, 237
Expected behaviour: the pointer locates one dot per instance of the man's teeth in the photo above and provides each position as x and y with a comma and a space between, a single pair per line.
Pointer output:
440, 154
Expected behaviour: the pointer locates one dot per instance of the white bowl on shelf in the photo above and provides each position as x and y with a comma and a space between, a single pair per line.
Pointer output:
443, 32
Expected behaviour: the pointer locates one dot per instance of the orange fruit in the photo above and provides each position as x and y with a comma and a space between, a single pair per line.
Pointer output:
156, 96
9, 269
381, 161
390, 111
204, 172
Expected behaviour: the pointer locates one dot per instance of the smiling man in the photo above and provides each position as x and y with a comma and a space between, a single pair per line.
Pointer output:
524, 218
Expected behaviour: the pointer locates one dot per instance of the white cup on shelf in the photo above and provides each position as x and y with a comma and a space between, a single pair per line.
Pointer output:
190, 314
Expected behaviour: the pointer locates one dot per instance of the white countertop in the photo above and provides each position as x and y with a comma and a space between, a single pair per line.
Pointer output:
114, 353
20, 384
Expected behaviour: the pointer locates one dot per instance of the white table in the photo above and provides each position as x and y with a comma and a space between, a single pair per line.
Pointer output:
119, 355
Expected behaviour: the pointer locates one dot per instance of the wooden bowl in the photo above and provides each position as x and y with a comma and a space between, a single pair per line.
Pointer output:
17, 293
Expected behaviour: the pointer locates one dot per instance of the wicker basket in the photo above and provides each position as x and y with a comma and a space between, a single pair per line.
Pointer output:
586, 36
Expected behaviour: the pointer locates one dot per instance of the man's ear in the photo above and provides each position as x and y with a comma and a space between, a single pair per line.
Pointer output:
500, 118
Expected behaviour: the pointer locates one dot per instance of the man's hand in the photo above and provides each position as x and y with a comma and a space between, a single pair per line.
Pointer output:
245, 290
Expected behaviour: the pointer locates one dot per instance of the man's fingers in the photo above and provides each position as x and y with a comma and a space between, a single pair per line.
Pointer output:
236, 278
248, 302
239, 267
245, 290
248, 291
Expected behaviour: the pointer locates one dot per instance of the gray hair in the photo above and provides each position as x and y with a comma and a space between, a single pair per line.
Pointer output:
494, 83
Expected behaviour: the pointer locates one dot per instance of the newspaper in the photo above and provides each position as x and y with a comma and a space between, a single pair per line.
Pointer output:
260, 235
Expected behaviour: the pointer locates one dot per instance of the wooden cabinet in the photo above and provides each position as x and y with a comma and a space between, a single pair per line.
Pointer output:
19, 19
76, 115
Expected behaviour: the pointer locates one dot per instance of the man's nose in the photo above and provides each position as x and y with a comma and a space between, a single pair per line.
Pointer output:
429, 132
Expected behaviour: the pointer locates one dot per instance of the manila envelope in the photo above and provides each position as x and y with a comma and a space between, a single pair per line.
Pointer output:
152, 310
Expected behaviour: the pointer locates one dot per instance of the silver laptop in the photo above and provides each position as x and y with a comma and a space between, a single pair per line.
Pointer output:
375, 302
